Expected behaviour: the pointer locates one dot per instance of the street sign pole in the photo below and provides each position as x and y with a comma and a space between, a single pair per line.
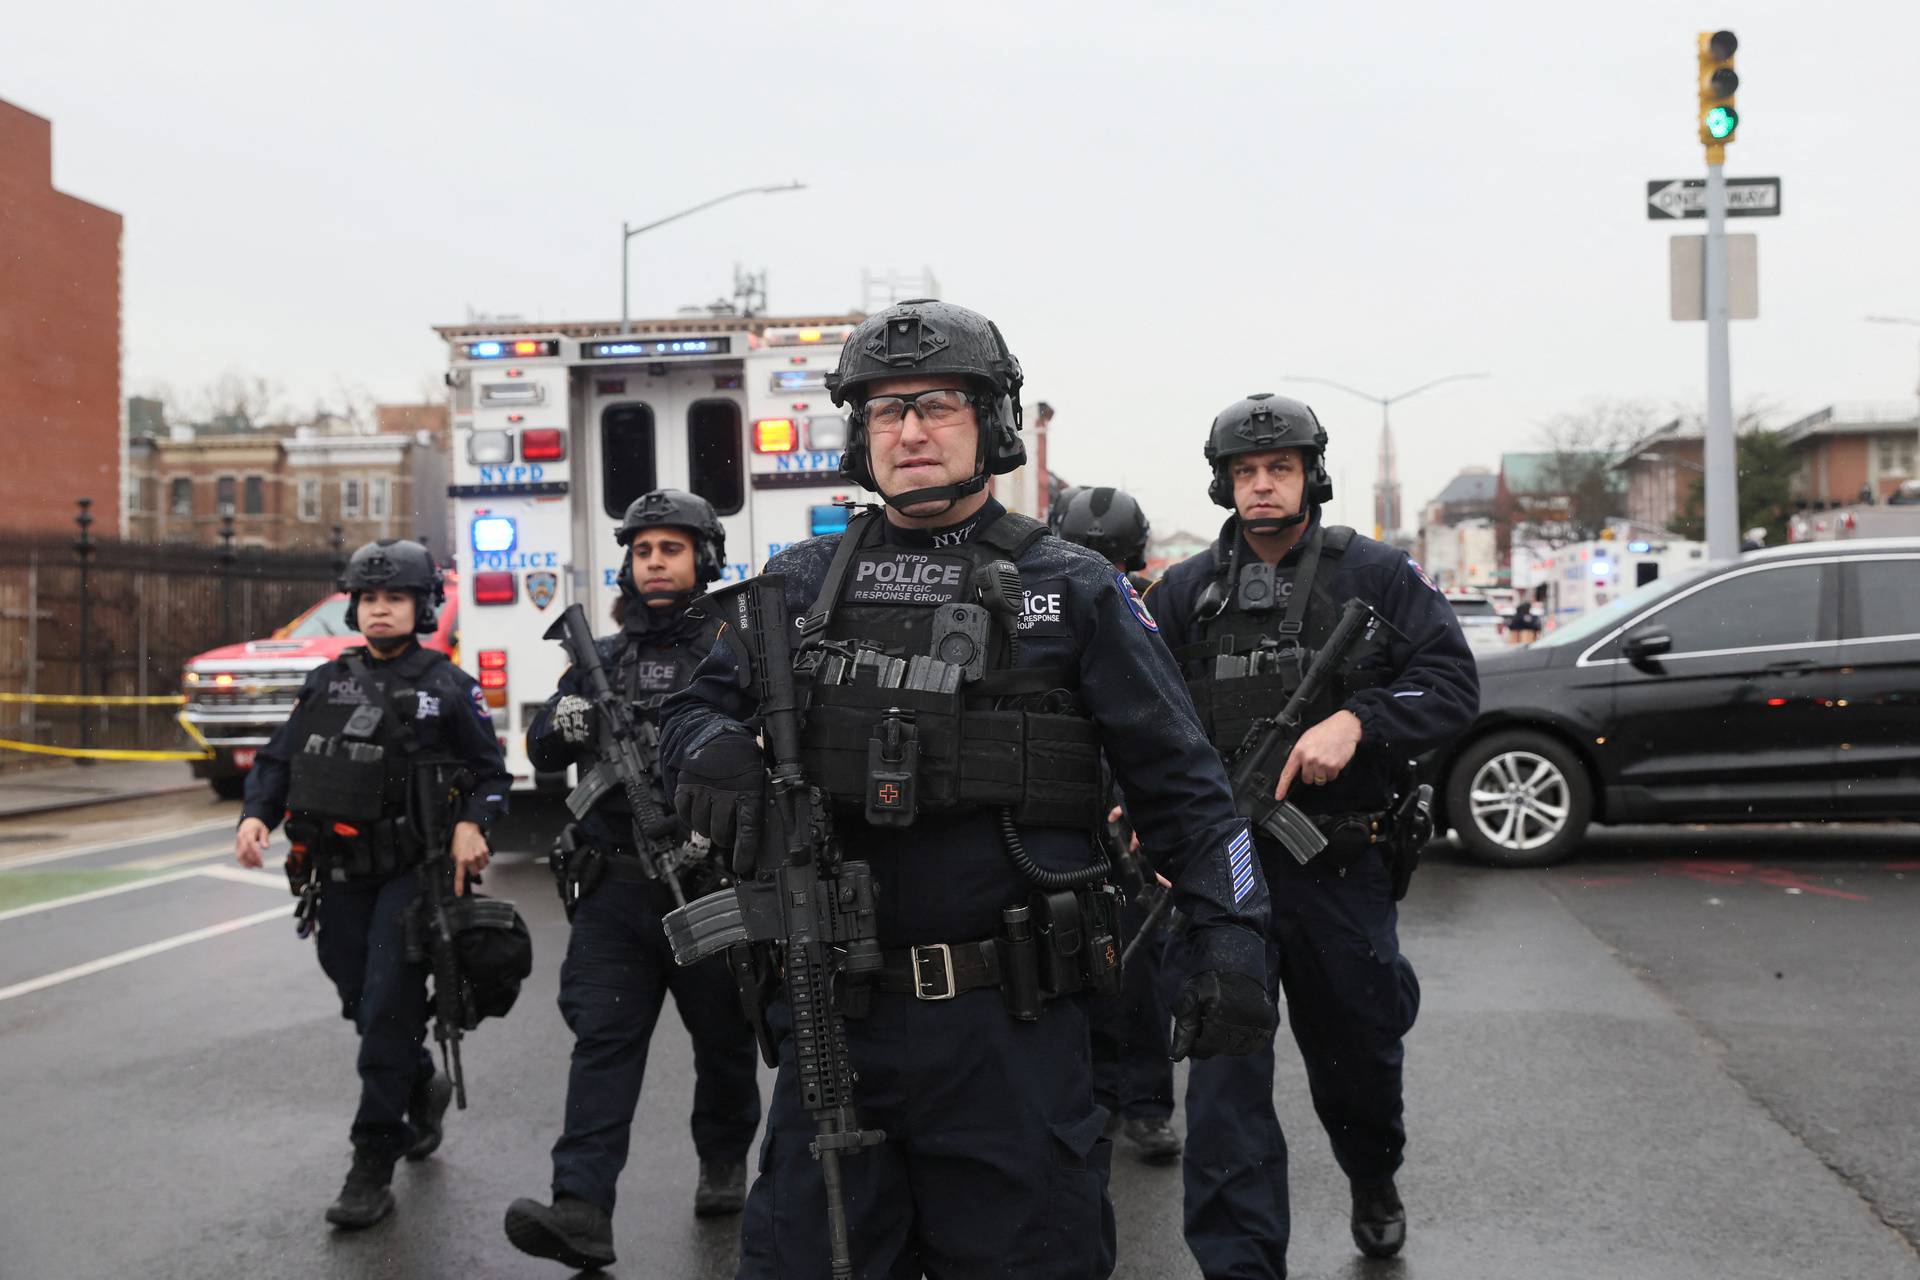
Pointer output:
1722, 479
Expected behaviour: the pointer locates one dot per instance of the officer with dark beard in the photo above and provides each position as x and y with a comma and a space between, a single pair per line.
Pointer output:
984, 665
341, 770
619, 970
1132, 1072
1244, 618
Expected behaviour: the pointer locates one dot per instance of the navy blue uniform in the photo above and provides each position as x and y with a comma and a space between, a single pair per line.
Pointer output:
1333, 946
995, 1160
362, 935
619, 969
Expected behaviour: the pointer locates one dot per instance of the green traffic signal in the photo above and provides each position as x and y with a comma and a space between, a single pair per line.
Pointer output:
1721, 122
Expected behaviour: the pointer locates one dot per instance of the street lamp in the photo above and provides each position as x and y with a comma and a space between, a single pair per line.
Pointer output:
1385, 402
1895, 320
627, 233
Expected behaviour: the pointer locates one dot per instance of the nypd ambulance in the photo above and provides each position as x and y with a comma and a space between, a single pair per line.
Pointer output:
558, 427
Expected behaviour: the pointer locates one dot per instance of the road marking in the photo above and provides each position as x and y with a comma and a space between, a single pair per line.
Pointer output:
245, 875
35, 859
239, 875
161, 862
141, 953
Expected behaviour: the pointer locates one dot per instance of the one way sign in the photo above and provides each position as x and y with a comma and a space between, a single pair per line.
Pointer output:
1687, 198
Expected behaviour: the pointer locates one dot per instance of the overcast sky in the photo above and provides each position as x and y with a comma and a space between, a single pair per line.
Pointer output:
1165, 207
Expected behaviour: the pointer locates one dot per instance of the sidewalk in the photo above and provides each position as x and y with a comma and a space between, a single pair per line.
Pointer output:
69, 786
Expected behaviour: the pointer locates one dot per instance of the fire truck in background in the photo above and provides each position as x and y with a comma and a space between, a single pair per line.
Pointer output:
558, 427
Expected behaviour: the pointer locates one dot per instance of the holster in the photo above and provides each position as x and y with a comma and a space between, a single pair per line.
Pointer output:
1412, 829
1076, 941
577, 867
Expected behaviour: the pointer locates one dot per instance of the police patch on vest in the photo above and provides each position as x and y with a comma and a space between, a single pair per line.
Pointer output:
1043, 608
540, 588
344, 693
1135, 603
657, 677
906, 577
1420, 573
426, 706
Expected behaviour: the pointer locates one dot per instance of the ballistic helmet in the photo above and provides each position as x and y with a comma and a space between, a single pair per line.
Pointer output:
681, 510
924, 337
1259, 424
395, 564
1110, 522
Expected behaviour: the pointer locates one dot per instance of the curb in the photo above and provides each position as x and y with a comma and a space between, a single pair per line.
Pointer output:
88, 802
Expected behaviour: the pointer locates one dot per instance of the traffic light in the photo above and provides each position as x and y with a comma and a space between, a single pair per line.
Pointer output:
1718, 83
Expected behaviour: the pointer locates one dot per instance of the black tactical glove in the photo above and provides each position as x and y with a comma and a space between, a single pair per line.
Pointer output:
576, 720
1222, 1013
720, 782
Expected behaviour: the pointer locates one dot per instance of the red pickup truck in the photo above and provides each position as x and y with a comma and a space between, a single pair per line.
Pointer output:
239, 694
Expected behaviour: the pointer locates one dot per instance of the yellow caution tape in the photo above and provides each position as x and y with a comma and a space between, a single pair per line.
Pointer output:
116, 753
75, 700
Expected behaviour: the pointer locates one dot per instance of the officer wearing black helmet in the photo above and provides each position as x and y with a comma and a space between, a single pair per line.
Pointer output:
1132, 1072
619, 970
361, 725
1243, 619
994, 1159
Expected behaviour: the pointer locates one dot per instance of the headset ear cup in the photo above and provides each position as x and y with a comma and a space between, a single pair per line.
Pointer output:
1319, 485
1219, 490
853, 459
353, 611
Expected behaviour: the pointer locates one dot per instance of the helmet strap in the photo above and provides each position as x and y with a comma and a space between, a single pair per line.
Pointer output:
1273, 526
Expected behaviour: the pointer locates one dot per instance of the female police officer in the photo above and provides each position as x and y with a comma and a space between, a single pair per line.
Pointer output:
618, 969
341, 770
993, 1160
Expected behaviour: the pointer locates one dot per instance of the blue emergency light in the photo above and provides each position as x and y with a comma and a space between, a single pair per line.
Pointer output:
1639, 548
494, 534
828, 519
485, 351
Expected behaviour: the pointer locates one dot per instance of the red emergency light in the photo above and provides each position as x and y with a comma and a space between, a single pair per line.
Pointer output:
493, 679
543, 444
493, 659
493, 588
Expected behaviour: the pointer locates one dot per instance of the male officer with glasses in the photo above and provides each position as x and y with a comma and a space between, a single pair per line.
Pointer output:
1243, 619
1011, 661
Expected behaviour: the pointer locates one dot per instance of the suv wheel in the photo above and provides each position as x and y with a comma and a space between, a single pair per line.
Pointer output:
1519, 799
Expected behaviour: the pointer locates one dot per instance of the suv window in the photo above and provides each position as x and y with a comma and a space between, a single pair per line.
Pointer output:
1775, 606
1888, 592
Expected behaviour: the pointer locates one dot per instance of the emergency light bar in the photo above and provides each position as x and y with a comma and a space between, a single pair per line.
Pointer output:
776, 435
799, 380
520, 348
823, 335
652, 348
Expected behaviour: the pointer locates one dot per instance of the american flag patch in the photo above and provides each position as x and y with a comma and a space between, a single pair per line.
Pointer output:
1240, 863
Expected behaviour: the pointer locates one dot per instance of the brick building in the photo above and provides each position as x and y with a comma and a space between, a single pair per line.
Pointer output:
287, 487
1661, 472
59, 338
1853, 453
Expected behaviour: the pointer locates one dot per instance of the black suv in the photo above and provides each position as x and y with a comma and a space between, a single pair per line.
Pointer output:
1784, 686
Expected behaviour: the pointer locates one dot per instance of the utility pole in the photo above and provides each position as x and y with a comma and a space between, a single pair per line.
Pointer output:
1718, 122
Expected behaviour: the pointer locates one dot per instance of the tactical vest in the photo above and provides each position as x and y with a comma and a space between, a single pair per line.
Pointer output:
646, 675
1258, 627
352, 768
913, 702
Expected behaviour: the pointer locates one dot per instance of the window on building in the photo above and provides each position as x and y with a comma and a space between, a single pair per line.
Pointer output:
180, 496
626, 455
309, 499
224, 495
1897, 455
377, 498
255, 496
349, 497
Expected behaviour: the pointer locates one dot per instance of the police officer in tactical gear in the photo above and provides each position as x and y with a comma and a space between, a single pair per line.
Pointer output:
1243, 619
963, 672
1132, 1072
619, 970
341, 771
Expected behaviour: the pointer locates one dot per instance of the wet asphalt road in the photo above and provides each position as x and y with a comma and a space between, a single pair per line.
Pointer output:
1689, 1054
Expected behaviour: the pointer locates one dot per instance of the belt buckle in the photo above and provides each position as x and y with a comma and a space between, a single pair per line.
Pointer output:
918, 954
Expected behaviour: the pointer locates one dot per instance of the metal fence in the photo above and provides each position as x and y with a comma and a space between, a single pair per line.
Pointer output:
122, 619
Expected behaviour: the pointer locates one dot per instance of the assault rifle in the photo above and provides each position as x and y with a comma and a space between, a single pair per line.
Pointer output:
816, 910
626, 755
1262, 755
437, 793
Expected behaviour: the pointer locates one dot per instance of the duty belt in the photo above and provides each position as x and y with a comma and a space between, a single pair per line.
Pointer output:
938, 970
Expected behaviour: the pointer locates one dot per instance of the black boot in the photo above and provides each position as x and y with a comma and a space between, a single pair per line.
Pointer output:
1155, 1139
571, 1231
1379, 1219
367, 1196
722, 1189
426, 1107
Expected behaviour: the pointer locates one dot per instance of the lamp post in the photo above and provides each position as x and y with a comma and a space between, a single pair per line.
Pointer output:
1388, 478
627, 233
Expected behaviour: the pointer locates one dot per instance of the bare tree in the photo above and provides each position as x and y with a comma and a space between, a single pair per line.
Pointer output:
1581, 449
